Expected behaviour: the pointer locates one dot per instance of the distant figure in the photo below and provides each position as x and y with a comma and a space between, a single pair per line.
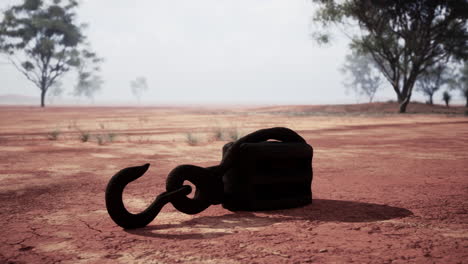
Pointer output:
446, 97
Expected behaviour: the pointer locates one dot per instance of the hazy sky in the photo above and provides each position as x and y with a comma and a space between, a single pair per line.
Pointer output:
217, 51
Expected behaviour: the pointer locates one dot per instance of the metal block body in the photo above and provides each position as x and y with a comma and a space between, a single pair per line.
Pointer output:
269, 175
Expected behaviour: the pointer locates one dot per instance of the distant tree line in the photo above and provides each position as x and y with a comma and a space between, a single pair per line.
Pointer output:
410, 42
413, 45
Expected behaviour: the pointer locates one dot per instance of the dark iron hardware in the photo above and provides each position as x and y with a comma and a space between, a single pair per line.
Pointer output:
255, 173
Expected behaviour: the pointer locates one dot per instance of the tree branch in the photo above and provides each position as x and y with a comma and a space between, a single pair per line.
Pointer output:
25, 73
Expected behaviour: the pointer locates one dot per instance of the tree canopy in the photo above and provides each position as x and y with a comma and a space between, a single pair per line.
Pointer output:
364, 78
403, 37
459, 81
432, 80
43, 40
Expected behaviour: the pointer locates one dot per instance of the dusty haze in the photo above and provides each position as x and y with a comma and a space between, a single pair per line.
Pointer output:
208, 51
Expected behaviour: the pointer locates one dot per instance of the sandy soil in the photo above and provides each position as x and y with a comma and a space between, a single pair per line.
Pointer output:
387, 188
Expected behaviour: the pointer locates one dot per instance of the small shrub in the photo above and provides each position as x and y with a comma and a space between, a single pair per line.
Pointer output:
53, 135
192, 139
84, 136
231, 134
100, 139
219, 134
234, 134
111, 137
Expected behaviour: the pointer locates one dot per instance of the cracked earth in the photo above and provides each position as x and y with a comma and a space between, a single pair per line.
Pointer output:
387, 188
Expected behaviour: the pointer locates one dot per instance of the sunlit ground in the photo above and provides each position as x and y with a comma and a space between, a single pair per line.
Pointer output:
386, 188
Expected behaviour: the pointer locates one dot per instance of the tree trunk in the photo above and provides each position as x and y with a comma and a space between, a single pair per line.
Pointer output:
400, 99
404, 103
403, 106
43, 93
431, 102
406, 93
404, 100
466, 104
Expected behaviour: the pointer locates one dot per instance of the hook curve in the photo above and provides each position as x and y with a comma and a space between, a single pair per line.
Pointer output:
114, 201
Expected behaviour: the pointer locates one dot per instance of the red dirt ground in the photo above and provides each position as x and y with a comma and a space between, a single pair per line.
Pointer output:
387, 188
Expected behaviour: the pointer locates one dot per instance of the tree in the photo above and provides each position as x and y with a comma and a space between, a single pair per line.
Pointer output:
430, 81
364, 77
460, 81
404, 37
88, 83
42, 39
446, 97
138, 86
